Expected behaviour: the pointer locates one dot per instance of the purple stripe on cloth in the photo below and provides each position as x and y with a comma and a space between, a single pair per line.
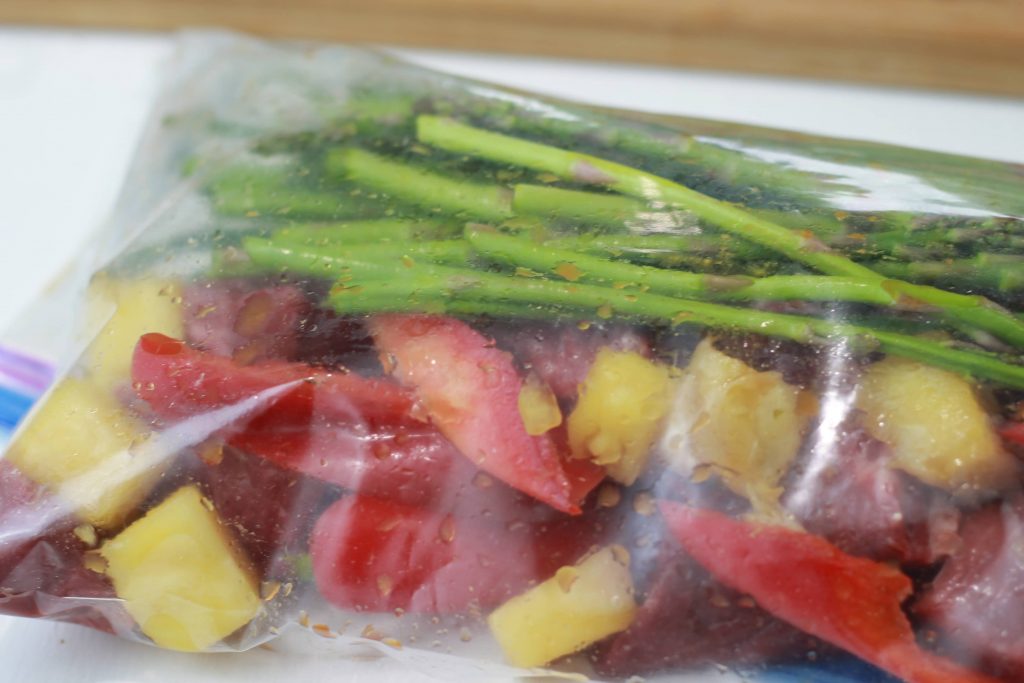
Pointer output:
19, 371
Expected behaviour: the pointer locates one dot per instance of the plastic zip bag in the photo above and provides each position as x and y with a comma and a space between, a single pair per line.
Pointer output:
384, 357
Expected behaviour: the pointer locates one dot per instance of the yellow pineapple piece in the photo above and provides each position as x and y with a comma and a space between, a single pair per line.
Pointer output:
579, 605
81, 444
128, 309
745, 425
936, 426
179, 575
538, 406
620, 410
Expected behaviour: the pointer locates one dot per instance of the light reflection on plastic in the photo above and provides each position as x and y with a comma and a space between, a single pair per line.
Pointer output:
836, 405
879, 189
526, 103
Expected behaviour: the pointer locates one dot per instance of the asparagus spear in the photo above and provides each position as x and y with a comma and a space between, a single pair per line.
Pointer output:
666, 146
592, 269
1003, 273
357, 232
429, 288
332, 262
701, 252
256, 191
593, 209
459, 138
421, 187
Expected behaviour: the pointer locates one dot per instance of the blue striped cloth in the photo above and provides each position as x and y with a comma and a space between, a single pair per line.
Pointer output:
845, 670
23, 379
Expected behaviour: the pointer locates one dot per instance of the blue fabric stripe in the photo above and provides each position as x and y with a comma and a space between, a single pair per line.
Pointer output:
847, 670
13, 406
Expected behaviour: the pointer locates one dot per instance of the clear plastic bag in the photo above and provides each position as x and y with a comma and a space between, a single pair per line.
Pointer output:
482, 380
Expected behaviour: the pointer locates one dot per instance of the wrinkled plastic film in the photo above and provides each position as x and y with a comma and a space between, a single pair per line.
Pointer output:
378, 357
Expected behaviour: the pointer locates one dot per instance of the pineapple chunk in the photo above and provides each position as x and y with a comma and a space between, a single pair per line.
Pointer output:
179, 575
578, 606
538, 406
747, 426
128, 309
935, 425
620, 409
82, 445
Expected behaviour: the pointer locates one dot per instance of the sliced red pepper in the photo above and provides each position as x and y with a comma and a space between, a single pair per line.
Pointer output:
413, 466
378, 556
315, 427
178, 381
470, 390
803, 579
1013, 432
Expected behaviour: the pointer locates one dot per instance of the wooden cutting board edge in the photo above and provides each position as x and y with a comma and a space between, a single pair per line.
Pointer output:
883, 46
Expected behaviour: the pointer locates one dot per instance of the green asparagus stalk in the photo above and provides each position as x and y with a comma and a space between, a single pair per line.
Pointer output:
592, 209
261, 192
592, 269
617, 211
429, 288
983, 271
359, 232
662, 248
430, 190
331, 262
804, 248
653, 141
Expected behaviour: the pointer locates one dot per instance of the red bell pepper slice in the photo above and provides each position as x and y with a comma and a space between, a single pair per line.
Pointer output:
851, 602
178, 381
374, 555
470, 390
414, 466
315, 425
1013, 432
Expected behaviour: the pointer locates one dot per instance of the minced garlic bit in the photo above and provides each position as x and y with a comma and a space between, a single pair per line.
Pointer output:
447, 531
569, 271
86, 533
269, 590
94, 562
609, 495
324, 631
643, 504
371, 633
620, 554
211, 451
483, 480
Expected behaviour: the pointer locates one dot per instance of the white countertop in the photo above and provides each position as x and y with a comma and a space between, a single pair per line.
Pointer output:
72, 105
